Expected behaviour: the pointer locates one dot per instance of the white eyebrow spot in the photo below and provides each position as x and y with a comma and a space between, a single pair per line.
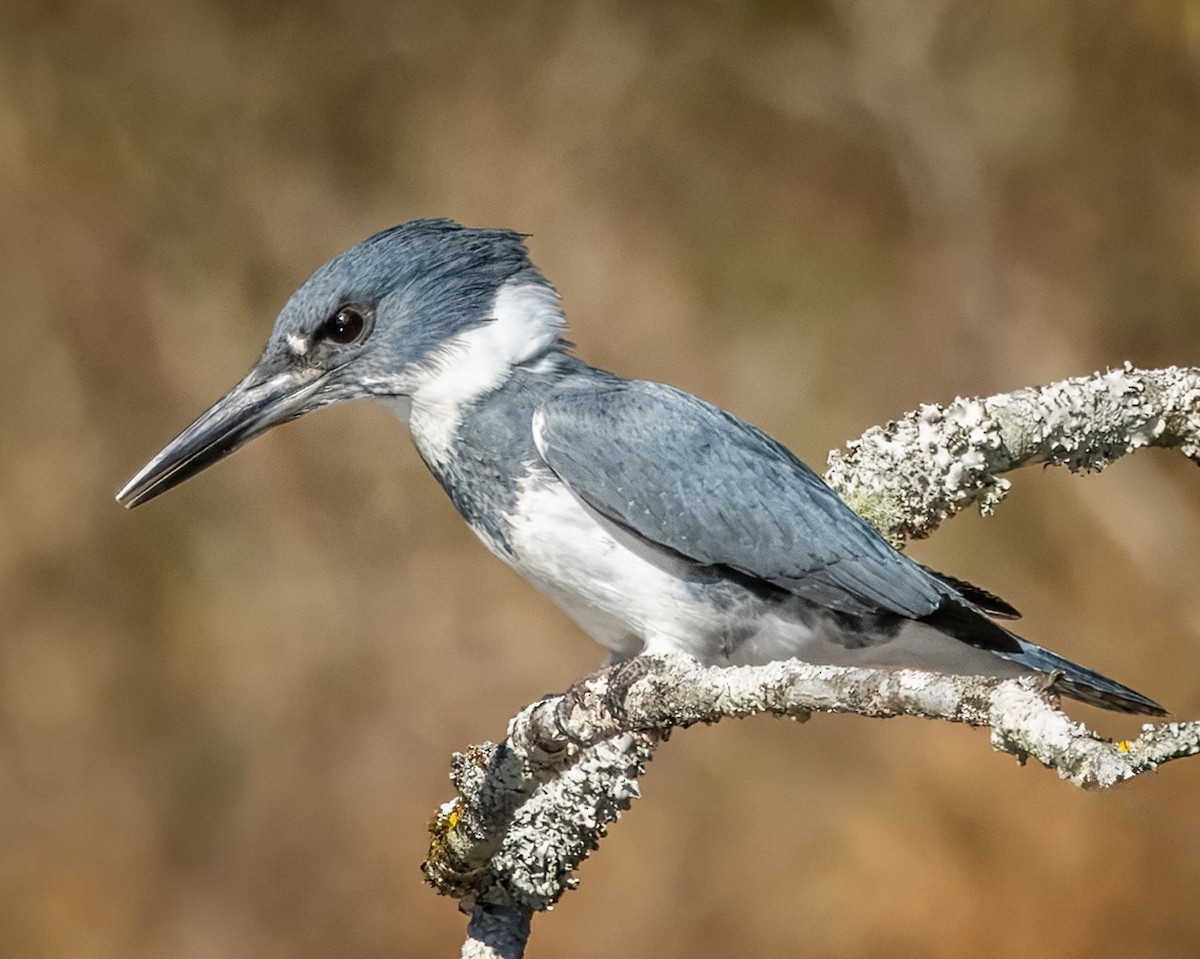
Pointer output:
298, 344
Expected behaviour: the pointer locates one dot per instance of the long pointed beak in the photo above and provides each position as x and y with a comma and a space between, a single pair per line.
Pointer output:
265, 398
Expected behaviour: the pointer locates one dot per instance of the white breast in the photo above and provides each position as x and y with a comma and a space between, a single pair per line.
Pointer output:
623, 593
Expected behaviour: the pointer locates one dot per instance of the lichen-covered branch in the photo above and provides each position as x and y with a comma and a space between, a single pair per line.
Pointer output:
908, 476
530, 810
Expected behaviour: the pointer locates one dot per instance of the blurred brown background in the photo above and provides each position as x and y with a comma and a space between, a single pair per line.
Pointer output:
226, 718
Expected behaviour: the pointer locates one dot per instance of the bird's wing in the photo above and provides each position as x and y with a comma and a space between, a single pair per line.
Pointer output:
689, 476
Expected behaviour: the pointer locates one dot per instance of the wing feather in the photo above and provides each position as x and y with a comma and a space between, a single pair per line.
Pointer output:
686, 475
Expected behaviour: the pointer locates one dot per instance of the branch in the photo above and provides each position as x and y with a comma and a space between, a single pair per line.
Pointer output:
532, 808
905, 478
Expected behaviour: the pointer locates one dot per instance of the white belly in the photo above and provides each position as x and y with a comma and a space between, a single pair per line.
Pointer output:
634, 597
624, 594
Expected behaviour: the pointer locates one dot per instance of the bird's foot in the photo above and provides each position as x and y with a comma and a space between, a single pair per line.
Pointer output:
621, 677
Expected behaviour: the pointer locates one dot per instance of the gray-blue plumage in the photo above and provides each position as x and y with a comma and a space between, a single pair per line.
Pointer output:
685, 474
656, 520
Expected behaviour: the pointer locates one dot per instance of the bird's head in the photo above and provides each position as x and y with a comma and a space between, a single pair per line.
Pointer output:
428, 311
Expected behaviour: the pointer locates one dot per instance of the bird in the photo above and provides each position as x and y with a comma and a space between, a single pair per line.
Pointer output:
658, 522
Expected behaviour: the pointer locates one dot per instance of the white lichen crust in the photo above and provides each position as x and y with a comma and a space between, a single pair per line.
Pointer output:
531, 810
908, 476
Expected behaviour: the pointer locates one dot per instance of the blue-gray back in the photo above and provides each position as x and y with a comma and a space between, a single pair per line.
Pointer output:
689, 476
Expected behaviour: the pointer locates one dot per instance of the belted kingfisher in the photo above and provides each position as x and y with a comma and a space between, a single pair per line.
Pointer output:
655, 520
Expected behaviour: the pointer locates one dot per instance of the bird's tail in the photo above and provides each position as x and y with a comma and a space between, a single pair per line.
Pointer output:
969, 624
1081, 683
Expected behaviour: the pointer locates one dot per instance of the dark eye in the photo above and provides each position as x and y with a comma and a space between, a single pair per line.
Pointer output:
345, 326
